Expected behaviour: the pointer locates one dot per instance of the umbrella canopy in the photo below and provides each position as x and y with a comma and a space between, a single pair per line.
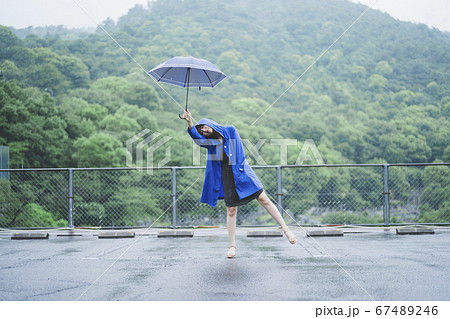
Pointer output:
187, 72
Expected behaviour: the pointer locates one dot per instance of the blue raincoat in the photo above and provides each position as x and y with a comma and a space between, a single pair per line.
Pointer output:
245, 179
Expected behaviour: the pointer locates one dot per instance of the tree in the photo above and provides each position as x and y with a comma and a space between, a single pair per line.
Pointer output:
398, 148
10, 71
33, 215
377, 82
98, 150
144, 96
35, 133
143, 117
435, 204
383, 68
8, 40
350, 99
55, 72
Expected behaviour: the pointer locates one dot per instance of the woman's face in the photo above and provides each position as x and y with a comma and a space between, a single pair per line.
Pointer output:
205, 130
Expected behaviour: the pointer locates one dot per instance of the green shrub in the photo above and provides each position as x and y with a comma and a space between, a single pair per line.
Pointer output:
33, 215
347, 218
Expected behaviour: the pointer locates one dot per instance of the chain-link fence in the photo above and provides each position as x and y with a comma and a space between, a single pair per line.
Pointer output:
170, 197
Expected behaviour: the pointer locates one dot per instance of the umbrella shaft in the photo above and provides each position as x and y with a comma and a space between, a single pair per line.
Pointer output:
187, 91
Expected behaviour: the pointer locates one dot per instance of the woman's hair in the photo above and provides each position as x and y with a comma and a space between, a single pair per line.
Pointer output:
214, 135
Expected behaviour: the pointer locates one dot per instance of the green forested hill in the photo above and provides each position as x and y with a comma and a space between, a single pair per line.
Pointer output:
379, 94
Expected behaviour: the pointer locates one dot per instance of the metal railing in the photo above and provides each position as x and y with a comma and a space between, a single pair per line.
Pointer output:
307, 195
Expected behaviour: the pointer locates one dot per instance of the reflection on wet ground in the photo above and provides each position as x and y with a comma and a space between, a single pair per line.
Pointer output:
361, 265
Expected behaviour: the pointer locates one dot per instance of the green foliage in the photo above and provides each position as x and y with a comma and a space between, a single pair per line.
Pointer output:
8, 41
88, 214
429, 215
100, 149
9, 203
33, 215
10, 71
347, 218
13, 213
380, 94
32, 127
435, 195
120, 198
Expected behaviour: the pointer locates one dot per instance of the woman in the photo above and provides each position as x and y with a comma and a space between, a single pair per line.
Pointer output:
228, 176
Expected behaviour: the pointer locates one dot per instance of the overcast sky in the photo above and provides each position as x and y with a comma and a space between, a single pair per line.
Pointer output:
434, 13
23, 13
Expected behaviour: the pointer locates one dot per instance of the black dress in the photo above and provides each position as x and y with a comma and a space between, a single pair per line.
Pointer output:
231, 197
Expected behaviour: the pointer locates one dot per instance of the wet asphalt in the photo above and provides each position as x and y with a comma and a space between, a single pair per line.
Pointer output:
364, 264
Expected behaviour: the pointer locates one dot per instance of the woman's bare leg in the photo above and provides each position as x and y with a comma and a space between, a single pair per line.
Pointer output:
231, 227
265, 201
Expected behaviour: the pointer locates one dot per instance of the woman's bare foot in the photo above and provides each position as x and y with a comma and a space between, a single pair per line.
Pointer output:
290, 236
231, 252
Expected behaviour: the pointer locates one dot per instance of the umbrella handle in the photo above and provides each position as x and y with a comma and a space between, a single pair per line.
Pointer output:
179, 115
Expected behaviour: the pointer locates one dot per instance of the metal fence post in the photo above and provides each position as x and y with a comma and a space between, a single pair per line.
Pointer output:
387, 218
70, 217
174, 197
279, 191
